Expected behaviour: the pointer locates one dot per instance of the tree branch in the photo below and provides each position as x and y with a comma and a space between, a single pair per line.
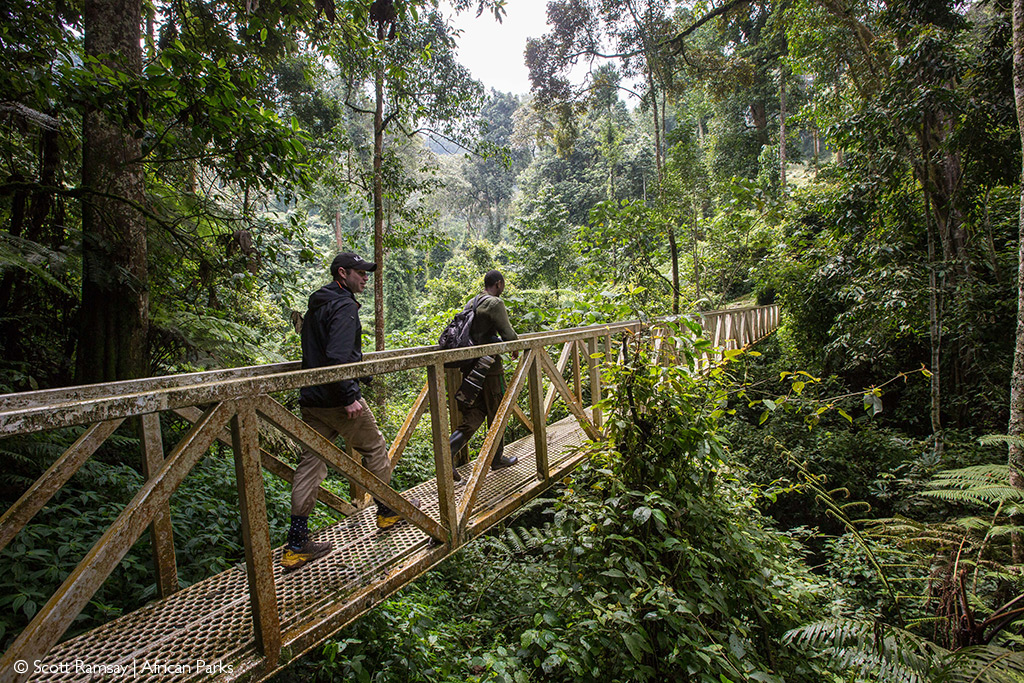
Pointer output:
677, 40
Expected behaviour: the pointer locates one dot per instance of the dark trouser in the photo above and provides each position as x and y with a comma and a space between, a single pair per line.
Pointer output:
485, 405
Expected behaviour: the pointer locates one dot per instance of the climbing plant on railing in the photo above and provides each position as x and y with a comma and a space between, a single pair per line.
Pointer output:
671, 568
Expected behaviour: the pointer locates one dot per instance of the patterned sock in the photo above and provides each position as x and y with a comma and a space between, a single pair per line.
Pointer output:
298, 533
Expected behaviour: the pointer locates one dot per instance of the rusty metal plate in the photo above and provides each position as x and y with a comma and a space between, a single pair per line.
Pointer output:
205, 632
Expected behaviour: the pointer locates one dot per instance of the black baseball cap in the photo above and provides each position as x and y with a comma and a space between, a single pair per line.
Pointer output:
349, 260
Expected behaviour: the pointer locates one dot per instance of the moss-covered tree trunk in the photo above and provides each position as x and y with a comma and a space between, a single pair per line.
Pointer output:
378, 208
1016, 426
114, 318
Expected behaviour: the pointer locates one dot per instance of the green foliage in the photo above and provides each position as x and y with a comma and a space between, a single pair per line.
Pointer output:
616, 244
875, 651
661, 561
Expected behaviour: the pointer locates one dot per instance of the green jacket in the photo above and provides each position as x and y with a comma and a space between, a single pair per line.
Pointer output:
490, 324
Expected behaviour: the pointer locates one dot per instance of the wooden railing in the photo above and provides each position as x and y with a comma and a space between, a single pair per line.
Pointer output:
228, 406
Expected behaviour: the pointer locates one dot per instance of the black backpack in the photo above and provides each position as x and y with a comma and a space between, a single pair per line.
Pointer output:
456, 334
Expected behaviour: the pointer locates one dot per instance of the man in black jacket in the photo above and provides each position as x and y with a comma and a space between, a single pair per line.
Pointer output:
331, 335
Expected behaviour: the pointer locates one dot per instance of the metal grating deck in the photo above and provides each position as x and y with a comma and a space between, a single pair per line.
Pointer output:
205, 631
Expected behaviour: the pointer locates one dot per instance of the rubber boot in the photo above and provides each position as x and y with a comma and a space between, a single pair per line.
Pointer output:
456, 443
501, 460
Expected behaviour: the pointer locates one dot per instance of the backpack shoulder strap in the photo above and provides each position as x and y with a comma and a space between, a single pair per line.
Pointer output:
479, 299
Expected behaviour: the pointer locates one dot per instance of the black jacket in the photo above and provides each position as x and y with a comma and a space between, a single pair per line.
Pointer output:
331, 334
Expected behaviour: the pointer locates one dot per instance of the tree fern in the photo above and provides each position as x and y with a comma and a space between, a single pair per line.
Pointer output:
877, 651
984, 485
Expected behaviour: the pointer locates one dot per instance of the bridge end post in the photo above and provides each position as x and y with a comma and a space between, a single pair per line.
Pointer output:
539, 417
595, 380
259, 562
160, 530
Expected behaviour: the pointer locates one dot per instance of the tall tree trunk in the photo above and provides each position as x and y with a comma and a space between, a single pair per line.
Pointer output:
378, 205
759, 115
657, 127
935, 330
674, 252
782, 127
114, 318
1016, 426
696, 261
659, 165
990, 244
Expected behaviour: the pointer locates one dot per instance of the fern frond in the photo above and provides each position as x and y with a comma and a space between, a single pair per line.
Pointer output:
993, 439
976, 474
871, 648
517, 541
987, 494
982, 663
1004, 530
980, 484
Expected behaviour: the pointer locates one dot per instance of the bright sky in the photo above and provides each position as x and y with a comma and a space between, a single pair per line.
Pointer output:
493, 52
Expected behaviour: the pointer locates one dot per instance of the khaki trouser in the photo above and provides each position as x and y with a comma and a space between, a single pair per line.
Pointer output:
360, 432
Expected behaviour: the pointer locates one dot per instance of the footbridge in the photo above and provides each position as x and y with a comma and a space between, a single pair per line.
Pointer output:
252, 620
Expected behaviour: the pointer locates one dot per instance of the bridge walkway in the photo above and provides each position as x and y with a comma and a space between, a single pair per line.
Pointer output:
250, 621
212, 622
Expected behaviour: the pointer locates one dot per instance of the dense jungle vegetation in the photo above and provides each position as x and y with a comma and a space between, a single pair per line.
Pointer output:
840, 504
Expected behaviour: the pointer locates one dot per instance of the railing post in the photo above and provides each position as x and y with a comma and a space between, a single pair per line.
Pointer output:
259, 563
442, 453
577, 384
719, 336
538, 416
595, 380
160, 532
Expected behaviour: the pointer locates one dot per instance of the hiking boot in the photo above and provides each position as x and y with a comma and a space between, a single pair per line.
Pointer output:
386, 517
293, 559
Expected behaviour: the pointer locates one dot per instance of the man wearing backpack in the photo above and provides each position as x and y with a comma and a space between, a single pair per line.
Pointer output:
490, 325
331, 335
